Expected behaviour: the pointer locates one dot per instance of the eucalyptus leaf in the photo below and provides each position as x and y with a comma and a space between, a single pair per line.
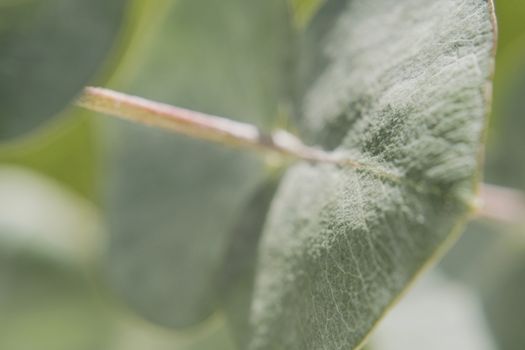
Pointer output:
48, 305
501, 268
47, 300
131, 334
404, 92
66, 152
172, 202
48, 51
490, 257
504, 165
239, 267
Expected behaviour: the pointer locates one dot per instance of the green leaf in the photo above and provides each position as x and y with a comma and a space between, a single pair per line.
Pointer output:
48, 306
239, 266
173, 201
304, 10
503, 290
490, 259
66, 152
48, 51
505, 166
403, 91
63, 225
47, 300
134, 334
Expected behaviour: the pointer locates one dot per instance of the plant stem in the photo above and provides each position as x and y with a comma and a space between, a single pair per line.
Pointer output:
198, 125
497, 203
501, 204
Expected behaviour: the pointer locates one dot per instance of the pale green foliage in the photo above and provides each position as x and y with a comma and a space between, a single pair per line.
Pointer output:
46, 300
48, 51
503, 290
241, 258
409, 81
173, 201
52, 296
399, 86
304, 10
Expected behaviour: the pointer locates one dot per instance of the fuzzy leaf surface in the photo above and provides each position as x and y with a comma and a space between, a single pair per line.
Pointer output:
402, 88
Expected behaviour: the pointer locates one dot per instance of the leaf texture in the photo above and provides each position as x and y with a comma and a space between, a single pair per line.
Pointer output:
403, 89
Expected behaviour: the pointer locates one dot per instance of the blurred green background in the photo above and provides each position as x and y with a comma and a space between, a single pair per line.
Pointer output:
67, 283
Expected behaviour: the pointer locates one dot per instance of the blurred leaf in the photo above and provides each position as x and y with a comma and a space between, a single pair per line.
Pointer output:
467, 259
503, 292
239, 267
67, 152
304, 10
134, 334
435, 314
505, 165
404, 92
490, 259
490, 256
46, 299
505, 159
510, 21
500, 270
48, 51
67, 149
61, 225
173, 201
45, 305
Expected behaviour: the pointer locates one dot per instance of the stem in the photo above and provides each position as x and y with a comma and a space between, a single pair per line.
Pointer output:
501, 204
199, 125
497, 203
